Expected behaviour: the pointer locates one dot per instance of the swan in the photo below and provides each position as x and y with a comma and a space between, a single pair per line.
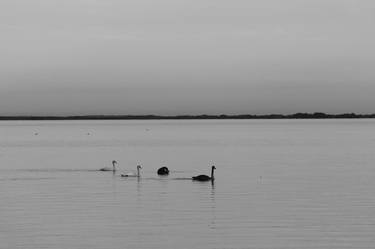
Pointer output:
204, 178
131, 174
109, 168
163, 171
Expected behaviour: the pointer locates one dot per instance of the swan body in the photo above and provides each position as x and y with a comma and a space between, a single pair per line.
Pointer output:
204, 178
163, 171
113, 169
132, 174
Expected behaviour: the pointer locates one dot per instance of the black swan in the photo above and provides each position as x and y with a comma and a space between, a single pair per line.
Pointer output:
204, 178
163, 171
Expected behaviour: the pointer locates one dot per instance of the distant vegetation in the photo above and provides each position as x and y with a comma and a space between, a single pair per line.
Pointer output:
316, 115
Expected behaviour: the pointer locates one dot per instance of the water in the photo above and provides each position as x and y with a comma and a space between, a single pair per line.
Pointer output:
279, 184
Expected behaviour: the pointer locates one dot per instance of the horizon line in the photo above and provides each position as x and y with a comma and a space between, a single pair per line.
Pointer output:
298, 115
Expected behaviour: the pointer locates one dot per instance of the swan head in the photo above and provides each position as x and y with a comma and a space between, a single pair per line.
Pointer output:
139, 167
114, 162
213, 167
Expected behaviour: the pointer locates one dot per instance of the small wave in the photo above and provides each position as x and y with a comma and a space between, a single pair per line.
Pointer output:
161, 178
57, 170
178, 171
181, 178
27, 178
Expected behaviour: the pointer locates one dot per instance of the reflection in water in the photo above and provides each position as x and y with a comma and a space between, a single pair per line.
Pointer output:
213, 206
114, 184
139, 191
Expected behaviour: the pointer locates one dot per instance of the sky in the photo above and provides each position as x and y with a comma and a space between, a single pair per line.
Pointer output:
170, 57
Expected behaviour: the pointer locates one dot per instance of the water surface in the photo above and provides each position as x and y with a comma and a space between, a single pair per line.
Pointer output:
279, 184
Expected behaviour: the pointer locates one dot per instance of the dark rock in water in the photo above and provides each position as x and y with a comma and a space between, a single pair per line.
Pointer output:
163, 171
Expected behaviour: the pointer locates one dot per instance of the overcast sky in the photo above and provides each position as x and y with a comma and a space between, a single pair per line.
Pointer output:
186, 56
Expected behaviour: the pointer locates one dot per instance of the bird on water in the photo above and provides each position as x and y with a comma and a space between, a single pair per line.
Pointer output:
132, 174
163, 171
113, 169
204, 178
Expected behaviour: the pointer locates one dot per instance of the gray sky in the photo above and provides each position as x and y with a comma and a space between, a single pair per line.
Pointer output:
186, 56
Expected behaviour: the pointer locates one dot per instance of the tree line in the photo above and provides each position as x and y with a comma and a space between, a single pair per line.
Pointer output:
315, 115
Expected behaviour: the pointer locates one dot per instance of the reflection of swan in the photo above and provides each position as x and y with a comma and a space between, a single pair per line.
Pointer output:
204, 178
163, 171
109, 168
131, 174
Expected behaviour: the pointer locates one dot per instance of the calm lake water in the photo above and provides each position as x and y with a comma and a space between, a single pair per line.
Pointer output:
279, 184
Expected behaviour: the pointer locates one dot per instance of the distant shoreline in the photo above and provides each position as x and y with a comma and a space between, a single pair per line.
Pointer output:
316, 115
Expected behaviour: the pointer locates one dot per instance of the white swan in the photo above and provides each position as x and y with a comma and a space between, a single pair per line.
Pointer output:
132, 174
109, 168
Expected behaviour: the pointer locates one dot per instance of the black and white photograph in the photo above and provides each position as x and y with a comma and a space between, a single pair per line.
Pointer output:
187, 124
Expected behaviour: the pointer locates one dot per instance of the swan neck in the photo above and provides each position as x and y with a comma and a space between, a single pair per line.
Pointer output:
212, 173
